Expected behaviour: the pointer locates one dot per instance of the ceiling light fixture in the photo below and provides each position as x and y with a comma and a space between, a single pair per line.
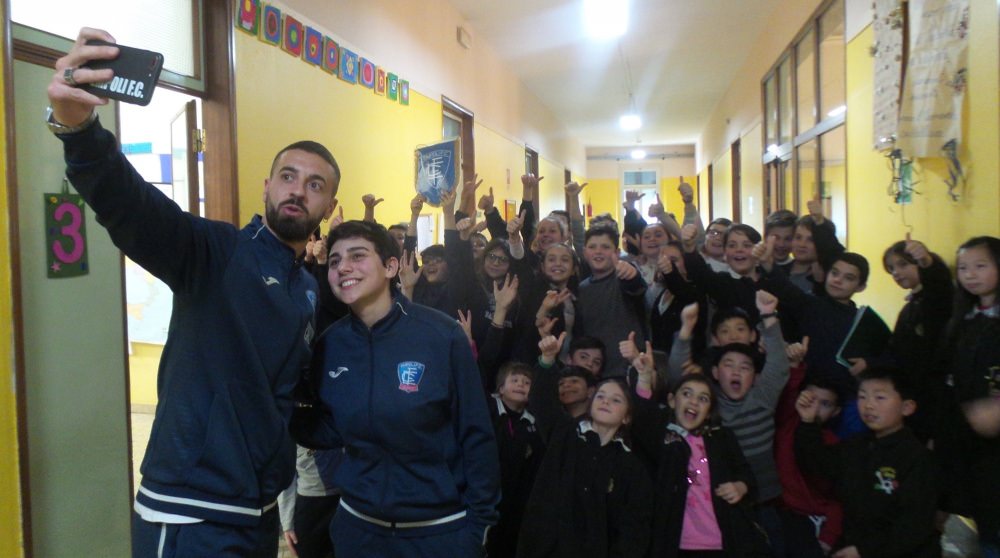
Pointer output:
630, 122
638, 154
605, 19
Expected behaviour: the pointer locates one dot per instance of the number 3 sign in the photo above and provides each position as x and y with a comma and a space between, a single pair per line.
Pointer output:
65, 236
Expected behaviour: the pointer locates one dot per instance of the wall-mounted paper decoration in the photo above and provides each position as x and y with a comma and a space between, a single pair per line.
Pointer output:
936, 72
65, 235
437, 168
248, 18
270, 31
331, 56
275, 27
404, 92
366, 74
888, 62
379, 81
392, 87
348, 65
313, 51
291, 39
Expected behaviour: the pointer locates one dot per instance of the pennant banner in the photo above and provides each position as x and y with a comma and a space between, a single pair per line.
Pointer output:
437, 170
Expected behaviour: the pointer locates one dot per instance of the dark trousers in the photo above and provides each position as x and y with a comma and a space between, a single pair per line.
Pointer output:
169, 540
356, 538
800, 536
313, 515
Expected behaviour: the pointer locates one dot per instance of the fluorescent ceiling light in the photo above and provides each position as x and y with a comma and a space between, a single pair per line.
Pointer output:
773, 149
630, 122
638, 154
605, 19
837, 111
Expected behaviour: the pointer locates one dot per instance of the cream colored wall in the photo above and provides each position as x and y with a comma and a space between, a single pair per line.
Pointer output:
740, 107
417, 40
752, 179
722, 186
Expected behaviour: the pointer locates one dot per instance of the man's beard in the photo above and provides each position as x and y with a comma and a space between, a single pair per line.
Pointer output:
289, 228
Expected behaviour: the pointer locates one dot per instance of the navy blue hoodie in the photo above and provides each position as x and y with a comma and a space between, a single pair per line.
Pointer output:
238, 341
405, 401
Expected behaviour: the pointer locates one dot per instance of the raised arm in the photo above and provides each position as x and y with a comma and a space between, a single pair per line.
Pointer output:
767, 389
370, 201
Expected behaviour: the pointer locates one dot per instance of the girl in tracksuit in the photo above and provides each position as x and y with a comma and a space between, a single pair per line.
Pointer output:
703, 486
592, 496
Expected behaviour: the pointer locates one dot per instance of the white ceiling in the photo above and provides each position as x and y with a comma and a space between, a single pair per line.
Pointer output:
683, 54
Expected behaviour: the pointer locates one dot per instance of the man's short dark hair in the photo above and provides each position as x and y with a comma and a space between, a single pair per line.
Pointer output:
746, 230
601, 230
819, 381
513, 368
729, 313
385, 246
586, 342
399, 227
572, 371
899, 379
316, 149
743, 349
857, 260
433, 251
720, 221
780, 219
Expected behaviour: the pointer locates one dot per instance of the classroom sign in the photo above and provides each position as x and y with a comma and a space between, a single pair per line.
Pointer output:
65, 236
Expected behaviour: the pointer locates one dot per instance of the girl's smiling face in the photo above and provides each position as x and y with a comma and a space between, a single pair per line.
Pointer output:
692, 403
558, 265
609, 407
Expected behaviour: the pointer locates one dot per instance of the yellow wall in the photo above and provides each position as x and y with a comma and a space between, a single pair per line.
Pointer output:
10, 494
498, 158
602, 194
143, 364
874, 221
372, 138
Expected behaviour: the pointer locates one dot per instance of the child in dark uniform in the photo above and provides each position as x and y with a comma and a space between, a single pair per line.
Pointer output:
592, 496
703, 485
884, 479
520, 447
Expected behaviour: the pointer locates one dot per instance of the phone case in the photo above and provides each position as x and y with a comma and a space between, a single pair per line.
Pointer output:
136, 73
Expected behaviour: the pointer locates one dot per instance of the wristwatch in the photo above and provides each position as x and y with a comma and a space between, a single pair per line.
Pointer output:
769, 315
61, 129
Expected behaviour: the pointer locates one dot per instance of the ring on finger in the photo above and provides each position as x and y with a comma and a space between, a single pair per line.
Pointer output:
68, 77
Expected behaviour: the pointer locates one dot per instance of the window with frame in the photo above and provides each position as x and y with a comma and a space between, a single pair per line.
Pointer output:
170, 27
645, 182
804, 105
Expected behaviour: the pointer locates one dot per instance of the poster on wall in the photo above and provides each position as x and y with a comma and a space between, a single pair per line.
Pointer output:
887, 51
437, 169
270, 31
248, 18
936, 74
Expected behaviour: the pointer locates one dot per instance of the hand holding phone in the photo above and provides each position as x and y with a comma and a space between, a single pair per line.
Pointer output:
135, 74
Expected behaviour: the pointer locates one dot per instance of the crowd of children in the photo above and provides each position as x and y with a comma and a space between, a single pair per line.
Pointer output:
690, 392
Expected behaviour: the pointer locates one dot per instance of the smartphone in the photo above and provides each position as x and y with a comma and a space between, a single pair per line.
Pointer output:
136, 72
